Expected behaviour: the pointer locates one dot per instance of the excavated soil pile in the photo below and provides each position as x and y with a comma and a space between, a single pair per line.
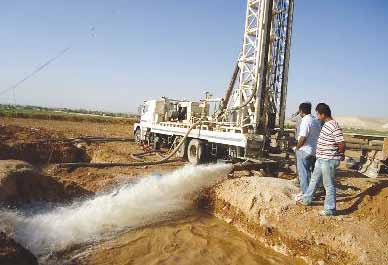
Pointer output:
37, 146
374, 206
11, 253
265, 209
21, 183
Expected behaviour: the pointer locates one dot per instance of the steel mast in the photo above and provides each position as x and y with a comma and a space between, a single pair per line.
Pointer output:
258, 100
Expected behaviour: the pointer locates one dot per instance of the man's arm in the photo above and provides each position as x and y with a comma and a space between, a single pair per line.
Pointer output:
340, 140
304, 131
342, 148
295, 117
301, 142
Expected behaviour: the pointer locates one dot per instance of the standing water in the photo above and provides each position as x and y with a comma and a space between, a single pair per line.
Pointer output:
136, 218
195, 240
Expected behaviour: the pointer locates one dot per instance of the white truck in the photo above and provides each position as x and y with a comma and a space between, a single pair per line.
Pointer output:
243, 123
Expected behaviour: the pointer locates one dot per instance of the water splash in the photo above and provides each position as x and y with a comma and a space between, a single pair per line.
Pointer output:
152, 199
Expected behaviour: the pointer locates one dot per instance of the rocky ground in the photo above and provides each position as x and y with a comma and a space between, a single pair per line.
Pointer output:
260, 206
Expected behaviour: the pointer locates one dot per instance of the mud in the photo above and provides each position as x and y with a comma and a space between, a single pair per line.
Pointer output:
196, 239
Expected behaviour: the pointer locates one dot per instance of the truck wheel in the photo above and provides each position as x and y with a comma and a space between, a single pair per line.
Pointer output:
156, 143
182, 152
196, 151
137, 136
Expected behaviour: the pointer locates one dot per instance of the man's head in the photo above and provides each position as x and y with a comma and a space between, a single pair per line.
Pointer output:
304, 109
323, 112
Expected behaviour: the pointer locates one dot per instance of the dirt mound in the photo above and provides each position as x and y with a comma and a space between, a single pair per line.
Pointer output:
43, 153
255, 195
11, 253
21, 183
17, 134
374, 207
37, 146
265, 209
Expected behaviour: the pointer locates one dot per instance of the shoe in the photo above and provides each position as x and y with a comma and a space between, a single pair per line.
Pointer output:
298, 196
327, 213
303, 202
295, 181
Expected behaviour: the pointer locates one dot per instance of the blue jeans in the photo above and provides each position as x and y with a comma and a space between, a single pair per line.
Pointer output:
323, 168
304, 163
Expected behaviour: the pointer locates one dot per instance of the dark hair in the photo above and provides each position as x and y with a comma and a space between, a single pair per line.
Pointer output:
323, 108
305, 107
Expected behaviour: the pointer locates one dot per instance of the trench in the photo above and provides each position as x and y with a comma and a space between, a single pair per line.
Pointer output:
154, 220
44, 153
308, 251
194, 239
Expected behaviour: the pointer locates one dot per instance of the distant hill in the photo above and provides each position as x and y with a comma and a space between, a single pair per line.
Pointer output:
365, 123
358, 124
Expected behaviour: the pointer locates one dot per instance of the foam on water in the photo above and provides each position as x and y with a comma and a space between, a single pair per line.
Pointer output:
151, 200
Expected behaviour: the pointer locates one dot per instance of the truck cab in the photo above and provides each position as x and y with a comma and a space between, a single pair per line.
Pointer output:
150, 113
165, 110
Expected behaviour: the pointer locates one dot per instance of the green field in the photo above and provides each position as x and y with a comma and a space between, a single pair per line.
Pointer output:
353, 130
33, 112
365, 132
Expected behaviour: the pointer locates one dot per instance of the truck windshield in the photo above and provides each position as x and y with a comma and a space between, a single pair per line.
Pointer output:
141, 110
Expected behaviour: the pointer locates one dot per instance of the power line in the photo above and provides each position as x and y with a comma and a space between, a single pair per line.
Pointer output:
14, 96
92, 32
37, 70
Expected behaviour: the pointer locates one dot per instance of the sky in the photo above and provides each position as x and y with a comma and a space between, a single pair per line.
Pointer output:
123, 52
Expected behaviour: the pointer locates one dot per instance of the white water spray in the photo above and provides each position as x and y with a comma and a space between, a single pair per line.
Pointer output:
151, 200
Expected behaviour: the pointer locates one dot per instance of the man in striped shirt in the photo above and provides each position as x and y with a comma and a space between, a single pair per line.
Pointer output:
330, 152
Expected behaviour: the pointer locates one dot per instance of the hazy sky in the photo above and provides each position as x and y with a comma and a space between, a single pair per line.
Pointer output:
125, 51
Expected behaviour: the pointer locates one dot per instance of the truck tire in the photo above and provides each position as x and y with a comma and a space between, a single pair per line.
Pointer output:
196, 151
137, 136
182, 152
156, 143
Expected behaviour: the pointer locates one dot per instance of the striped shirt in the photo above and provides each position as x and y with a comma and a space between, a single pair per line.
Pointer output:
330, 136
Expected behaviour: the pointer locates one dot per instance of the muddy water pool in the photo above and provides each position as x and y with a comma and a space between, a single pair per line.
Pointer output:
197, 239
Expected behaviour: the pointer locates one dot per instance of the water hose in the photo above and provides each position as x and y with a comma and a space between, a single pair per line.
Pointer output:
139, 156
134, 164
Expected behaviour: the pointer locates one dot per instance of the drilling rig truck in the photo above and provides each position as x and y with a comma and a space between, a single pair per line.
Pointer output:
247, 123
